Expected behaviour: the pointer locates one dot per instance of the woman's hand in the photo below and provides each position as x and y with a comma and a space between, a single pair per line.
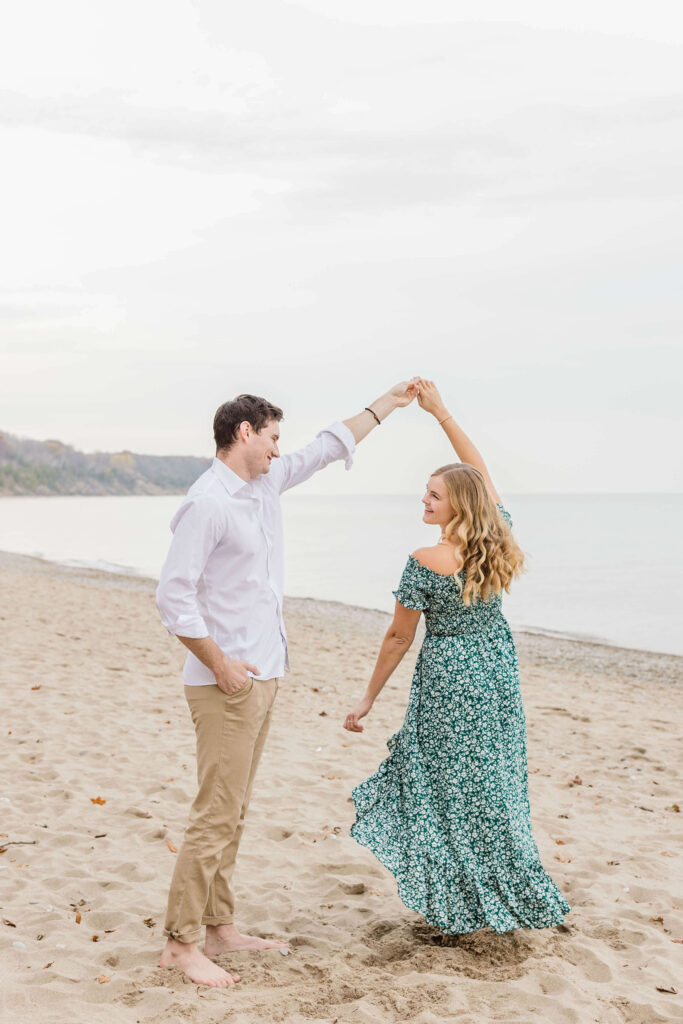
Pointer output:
352, 720
430, 400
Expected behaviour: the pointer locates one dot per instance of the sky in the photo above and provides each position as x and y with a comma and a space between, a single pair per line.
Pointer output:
314, 200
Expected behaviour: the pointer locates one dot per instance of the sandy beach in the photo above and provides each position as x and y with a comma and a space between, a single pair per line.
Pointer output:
98, 774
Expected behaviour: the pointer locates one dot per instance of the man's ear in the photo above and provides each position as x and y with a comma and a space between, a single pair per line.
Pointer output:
245, 430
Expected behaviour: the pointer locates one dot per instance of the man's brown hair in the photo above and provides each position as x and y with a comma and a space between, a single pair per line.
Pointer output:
256, 411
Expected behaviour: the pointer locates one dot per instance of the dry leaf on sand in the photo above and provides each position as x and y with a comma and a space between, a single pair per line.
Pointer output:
97, 800
172, 848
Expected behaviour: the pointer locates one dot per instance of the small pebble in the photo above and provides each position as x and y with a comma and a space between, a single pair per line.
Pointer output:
19, 945
284, 951
154, 800
60, 945
34, 901
49, 908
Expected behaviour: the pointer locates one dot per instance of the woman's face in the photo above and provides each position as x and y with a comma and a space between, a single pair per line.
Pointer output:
437, 504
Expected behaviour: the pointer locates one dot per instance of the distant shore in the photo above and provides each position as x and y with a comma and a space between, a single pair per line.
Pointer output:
31, 468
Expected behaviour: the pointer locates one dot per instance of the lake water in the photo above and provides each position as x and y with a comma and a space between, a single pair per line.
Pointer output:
603, 567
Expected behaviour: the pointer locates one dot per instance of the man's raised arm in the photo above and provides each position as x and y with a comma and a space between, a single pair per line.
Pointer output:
339, 440
397, 397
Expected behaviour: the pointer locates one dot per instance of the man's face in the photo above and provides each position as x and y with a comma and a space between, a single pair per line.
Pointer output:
262, 448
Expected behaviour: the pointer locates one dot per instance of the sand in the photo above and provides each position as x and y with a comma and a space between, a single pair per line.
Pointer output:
98, 774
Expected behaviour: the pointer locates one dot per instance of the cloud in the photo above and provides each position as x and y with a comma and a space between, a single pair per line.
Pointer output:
202, 199
346, 118
545, 153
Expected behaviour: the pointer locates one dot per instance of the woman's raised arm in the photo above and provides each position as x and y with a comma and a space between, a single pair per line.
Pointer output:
431, 401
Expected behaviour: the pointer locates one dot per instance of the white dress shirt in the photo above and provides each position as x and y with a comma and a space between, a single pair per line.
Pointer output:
224, 573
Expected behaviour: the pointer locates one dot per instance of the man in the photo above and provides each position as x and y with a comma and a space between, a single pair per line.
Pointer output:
220, 593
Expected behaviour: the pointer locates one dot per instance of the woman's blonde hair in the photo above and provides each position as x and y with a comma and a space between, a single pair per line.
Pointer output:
488, 554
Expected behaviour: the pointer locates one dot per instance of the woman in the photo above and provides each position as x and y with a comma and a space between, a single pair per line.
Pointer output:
448, 811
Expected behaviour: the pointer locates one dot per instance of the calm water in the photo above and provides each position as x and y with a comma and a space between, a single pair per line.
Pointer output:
606, 567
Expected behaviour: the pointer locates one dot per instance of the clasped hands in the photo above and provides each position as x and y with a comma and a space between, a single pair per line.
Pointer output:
424, 390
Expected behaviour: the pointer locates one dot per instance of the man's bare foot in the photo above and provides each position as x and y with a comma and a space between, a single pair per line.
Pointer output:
188, 958
224, 938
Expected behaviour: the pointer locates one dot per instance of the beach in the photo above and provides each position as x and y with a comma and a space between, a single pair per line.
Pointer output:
98, 774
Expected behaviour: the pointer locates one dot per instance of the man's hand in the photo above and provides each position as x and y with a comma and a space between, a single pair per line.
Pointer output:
405, 392
430, 400
232, 675
400, 395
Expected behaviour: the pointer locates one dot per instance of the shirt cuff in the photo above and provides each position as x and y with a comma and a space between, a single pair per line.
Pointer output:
193, 629
343, 434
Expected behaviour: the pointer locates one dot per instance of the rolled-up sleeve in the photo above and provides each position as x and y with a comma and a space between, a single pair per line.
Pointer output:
197, 528
333, 443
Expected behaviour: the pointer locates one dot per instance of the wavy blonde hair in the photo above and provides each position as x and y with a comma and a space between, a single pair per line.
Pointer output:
486, 551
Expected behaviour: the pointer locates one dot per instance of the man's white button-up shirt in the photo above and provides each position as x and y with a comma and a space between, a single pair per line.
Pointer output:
224, 573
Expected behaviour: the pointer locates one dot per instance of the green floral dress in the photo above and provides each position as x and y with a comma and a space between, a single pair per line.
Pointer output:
448, 811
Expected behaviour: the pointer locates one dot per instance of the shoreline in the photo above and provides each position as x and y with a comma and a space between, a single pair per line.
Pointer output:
131, 577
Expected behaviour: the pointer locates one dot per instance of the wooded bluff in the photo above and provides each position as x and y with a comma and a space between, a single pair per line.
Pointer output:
51, 467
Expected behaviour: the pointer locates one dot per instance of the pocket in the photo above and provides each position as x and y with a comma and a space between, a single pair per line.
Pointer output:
243, 692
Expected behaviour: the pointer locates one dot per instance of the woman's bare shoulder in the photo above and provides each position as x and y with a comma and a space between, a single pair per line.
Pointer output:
439, 557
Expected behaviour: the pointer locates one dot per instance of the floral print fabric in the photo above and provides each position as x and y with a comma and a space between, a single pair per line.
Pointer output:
448, 811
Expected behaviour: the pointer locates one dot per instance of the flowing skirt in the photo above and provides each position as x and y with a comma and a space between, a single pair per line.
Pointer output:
448, 811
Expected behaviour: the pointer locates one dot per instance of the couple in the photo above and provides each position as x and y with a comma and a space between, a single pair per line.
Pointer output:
448, 811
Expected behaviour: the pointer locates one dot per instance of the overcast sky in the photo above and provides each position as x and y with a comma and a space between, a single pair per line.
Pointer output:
312, 200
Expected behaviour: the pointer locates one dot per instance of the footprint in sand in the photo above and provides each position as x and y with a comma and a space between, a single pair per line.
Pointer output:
277, 834
353, 888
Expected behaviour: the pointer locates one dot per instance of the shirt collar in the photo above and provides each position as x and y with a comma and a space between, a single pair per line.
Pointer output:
230, 480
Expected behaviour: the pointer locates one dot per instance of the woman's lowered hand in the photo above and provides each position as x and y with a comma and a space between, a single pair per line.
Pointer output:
352, 720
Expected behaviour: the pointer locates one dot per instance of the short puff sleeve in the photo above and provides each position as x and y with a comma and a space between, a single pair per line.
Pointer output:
504, 515
412, 588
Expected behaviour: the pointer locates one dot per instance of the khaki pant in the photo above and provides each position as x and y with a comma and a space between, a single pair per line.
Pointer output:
231, 731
